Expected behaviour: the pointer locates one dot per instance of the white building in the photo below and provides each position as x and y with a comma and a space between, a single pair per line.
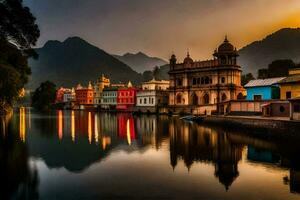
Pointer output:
153, 94
109, 98
69, 95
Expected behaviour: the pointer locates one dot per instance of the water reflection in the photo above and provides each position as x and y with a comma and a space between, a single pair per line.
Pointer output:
76, 140
18, 176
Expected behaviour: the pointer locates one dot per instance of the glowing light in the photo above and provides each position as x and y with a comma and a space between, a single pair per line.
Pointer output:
96, 129
22, 124
128, 132
90, 127
60, 124
73, 126
105, 142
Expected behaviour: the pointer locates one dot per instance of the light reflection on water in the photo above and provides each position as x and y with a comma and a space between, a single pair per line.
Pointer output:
87, 155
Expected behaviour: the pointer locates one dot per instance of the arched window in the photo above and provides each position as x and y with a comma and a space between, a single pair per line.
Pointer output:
224, 97
194, 99
178, 98
223, 80
240, 96
202, 80
194, 81
206, 99
206, 80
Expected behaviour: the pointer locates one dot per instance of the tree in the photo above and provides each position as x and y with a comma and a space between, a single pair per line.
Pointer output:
263, 73
18, 33
147, 75
280, 68
246, 78
44, 96
156, 72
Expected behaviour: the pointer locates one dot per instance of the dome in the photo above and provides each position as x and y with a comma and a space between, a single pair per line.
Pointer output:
188, 59
226, 46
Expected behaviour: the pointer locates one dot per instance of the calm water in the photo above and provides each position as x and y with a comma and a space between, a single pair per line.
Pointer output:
86, 155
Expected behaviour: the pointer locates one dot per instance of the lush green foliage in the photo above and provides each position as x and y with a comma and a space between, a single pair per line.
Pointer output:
246, 78
43, 97
18, 32
278, 68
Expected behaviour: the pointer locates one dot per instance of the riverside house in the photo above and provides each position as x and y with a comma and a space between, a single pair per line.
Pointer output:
290, 86
126, 98
154, 94
263, 89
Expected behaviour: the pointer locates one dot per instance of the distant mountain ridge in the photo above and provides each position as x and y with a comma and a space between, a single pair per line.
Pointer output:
140, 62
76, 61
282, 44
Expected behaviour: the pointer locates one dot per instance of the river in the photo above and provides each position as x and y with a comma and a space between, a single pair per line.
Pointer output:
87, 155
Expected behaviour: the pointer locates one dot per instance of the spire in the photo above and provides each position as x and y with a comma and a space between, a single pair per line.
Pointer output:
129, 84
226, 39
188, 53
90, 85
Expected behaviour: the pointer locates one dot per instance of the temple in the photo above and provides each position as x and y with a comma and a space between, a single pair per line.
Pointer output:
199, 86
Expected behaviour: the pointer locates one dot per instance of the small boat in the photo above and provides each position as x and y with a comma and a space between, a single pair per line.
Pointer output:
193, 118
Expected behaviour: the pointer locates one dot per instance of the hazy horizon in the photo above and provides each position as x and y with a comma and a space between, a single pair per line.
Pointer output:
159, 28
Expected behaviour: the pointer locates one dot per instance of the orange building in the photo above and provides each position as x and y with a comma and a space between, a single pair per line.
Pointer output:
60, 95
84, 96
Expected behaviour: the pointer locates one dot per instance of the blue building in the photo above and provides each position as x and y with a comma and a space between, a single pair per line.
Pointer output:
263, 89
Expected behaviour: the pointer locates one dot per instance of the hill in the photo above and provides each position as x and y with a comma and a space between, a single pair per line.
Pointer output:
76, 61
140, 62
283, 44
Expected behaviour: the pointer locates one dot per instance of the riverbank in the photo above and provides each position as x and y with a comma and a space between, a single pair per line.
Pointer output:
271, 126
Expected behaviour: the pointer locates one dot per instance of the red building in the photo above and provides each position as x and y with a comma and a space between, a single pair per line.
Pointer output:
126, 98
60, 95
84, 96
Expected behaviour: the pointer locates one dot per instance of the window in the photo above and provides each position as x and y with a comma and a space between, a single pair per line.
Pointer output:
145, 101
178, 98
223, 80
198, 81
206, 80
141, 101
288, 95
194, 81
179, 82
257, 97
282, 109
202, 80
297, 108
206, 99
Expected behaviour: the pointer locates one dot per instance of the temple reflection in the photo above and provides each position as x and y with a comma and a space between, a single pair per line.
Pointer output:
200, 144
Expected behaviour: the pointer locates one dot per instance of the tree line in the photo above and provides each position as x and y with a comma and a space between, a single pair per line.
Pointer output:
278, 68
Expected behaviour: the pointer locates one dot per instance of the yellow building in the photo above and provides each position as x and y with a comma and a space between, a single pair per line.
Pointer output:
101, 83
290, 86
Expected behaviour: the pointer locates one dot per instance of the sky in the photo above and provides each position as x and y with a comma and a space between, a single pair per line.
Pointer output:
160, 27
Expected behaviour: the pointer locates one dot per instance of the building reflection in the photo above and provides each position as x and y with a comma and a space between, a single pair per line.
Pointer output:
18, 176
201, 144
60, 123
126, 128
22, 123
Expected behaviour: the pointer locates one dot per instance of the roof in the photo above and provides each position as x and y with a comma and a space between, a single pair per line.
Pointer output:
263, 82
291, 79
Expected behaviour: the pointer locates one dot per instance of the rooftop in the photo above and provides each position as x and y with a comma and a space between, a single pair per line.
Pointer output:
264, 82
291, 79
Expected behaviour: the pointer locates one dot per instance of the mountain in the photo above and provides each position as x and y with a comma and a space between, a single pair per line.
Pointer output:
140, 62
283, 44
76, 61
